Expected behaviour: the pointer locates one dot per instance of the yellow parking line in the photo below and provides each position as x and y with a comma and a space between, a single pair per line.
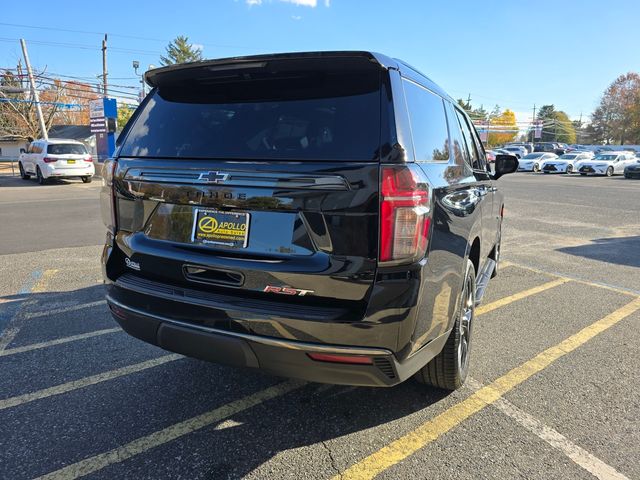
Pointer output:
58, 341
85, 382
15, 323
519, 296
41, 285
160, 437
426, 433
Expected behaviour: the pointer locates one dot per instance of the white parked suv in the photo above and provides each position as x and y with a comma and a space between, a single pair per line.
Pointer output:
56, 158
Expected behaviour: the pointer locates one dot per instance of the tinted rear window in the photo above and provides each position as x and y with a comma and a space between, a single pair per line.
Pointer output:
66, 149
303, 115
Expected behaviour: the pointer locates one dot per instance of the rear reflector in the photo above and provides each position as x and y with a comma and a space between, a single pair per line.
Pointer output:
404, 214
352, 359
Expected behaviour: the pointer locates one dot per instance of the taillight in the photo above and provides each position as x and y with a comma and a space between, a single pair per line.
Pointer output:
107, 195
89, 159
49, 160
351, 359
404, 214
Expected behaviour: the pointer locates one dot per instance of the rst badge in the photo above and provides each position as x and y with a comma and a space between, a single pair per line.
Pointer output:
131, 264
286, 290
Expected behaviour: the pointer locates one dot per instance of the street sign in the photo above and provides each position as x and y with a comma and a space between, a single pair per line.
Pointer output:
98, 125
538, 132
96, 108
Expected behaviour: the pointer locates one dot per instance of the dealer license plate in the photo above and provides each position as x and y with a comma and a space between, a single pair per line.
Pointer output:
229, 229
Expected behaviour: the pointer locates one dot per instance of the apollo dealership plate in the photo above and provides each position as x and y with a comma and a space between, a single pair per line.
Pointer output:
211, 227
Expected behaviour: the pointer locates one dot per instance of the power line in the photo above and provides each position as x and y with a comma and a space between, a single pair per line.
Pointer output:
120, 35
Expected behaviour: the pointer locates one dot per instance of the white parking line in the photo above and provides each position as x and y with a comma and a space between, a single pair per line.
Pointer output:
86, 381
72, 308
579, 455
58, 341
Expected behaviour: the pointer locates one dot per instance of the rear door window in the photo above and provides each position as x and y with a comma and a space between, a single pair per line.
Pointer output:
66, 149
428, 123
302, 115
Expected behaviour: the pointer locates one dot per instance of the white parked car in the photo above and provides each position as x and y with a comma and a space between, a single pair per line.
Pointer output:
56, 158
567, 163
607, 163
533, 161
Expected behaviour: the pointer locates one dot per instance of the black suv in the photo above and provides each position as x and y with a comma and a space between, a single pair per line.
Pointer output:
327, 216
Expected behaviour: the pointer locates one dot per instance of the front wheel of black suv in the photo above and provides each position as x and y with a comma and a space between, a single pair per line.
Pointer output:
448, 370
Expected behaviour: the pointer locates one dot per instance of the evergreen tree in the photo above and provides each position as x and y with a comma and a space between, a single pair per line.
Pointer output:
181, 51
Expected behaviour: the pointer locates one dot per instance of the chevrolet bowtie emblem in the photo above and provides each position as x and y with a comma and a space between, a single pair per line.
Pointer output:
214, 177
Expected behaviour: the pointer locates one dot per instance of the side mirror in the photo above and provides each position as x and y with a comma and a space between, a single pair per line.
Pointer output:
22, 150
504, 164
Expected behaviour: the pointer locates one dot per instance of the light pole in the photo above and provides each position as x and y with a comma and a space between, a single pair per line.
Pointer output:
136, 66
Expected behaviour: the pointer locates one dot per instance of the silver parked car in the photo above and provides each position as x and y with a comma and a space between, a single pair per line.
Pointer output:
516, 150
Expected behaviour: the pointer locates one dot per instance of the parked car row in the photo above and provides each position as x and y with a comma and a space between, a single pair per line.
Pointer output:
608, 163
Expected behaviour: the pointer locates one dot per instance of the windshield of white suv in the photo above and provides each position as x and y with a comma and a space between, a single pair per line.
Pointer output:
532, 156
66, 149
568, 156
607, 158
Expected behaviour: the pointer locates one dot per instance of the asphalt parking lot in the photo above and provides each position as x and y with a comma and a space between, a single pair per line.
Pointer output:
555, 389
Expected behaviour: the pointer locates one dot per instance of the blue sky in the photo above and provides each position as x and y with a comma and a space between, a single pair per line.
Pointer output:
512, 53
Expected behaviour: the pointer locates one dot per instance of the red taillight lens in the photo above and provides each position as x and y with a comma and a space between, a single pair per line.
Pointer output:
89, 159
404, 214
49, 160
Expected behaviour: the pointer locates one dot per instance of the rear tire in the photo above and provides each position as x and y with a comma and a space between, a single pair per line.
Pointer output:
448, 370
23, 175
86, 179
536, 168
569, 168
41, 179
609, 172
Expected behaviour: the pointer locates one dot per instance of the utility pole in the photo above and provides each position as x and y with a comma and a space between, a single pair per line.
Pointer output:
533, 125
104, 66
469, 101
34, 92
579, 132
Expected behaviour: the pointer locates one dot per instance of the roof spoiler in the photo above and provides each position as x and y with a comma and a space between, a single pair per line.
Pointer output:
339, 60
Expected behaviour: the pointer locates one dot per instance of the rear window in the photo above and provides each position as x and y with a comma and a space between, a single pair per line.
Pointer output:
291, 115
66, 149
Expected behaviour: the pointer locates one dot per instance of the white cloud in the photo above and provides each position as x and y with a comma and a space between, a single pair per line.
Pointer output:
303, 3
296, 17
197, 46
299, 3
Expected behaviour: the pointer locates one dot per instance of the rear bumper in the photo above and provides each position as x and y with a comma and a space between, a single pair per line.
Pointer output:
84, 171
287, 358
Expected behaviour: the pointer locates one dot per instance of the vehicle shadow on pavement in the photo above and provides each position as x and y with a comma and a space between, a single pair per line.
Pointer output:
16, 182
305, 417
618, 250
